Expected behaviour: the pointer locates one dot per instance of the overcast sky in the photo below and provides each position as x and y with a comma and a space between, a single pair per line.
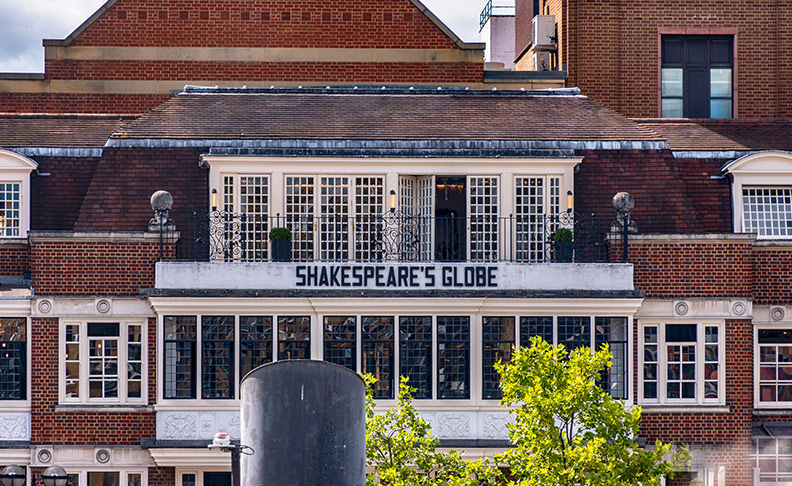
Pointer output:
24, 23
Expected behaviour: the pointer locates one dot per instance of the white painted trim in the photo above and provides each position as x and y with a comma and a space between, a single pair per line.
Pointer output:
662, 368
84, 398
756, 367
16, 168
200, 459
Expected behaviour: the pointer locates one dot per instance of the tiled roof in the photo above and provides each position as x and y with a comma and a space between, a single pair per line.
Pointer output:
386, 114
62, 131
723, 135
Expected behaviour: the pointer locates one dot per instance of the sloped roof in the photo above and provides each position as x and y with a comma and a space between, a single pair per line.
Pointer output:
723, 135
61, 131
107, 6
383, 114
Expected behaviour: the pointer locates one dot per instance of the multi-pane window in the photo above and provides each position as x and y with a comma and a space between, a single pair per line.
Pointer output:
13, 362
415, 353
294, 337
108, 478
591, 332
681, 363
245, 218
299, 216
377, 353
498, 341
340, 341
483, 203
103, 361
453, 357
10, 207
217, 357
334, 219
216, 370
775, 366
255, 342
773, 457
536, 198
696, 76
180, 345
369, 206
767, 211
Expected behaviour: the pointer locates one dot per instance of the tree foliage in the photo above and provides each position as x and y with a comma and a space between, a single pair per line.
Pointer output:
567, 431
401, 451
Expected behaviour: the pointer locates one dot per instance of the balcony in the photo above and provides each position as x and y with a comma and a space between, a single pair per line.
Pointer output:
394, 251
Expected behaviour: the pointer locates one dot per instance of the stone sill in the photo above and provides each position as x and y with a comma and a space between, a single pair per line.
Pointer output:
81, 408
670, 409
772, 411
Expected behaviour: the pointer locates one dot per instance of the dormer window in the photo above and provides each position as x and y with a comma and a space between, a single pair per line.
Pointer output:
762, 194
14, 194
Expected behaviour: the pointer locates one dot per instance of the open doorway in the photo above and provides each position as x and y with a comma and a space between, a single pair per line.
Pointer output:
450, 218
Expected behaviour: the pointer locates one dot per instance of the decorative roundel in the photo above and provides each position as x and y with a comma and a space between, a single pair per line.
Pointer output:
44, 456
681, 308
45, 306
103, 306
777, 313
102, 456
739, 308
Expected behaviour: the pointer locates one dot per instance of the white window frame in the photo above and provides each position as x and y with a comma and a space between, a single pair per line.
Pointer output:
16, 169
757, 170
15, 310
123, 349
199, 479
82, 474
662, 361
757, 364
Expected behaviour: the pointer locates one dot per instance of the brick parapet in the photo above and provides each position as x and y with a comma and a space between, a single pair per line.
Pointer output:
692, 266
52, 427
14, 258
108, 264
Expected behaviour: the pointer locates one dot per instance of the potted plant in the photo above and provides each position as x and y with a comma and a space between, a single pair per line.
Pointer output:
280, 245
563, 245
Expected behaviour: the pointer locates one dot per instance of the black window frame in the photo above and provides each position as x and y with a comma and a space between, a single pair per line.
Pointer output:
13, 385
180, 346
697, 56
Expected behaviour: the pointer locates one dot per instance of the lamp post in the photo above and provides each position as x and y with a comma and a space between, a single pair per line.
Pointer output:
13, 476
624, 203
222, 442
161, 203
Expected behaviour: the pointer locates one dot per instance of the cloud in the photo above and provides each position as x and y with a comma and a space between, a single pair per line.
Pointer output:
24, 24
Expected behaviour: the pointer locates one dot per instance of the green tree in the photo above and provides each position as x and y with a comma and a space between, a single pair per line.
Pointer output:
567, 431
401, 451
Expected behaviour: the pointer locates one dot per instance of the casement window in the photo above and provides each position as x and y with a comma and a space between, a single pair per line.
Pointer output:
13, 358
772, 460
108, 478
773, 367
245, 218
203, 478
14, 194
103, 362
697, 76
681, 363
572, 332
213, 369
767, 211
536, 198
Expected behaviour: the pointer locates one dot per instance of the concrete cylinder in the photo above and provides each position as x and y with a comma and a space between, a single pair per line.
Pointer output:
305, 421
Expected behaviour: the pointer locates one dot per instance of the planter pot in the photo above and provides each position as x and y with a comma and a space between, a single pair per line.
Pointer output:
563, 251
281, 250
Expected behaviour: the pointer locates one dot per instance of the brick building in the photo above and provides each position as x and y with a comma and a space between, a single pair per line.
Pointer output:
421, 222
702, 59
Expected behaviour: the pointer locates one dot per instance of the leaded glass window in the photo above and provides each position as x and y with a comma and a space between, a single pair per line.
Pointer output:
340, 341
180, 359
498, 339
255, 342
294, 337
217, 357
415, 354
13, 362
453, 357
377, 346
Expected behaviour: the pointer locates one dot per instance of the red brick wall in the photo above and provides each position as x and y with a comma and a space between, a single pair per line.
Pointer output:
329, 72
14, 260
728, 435
613, 50
117, 268
772, 272
49, 426
56, 198
162, 476
80, 102
692, 268
260, 23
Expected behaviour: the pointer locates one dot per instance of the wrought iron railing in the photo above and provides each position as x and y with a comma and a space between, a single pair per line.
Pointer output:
394, 236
